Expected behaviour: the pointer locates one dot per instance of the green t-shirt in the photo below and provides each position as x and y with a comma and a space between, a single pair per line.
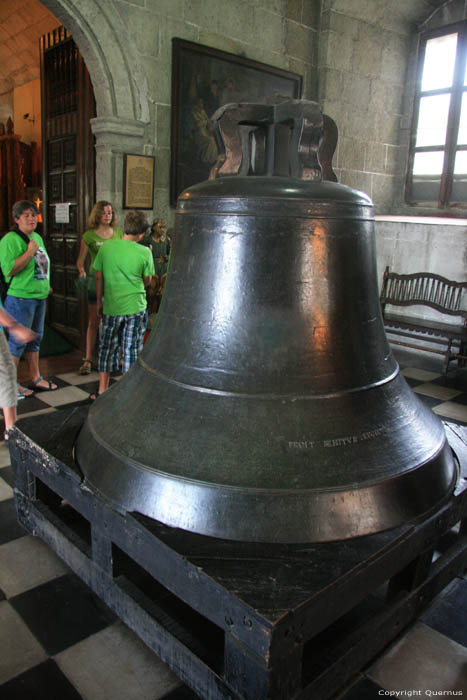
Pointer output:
94, 242
32, 282
123, 265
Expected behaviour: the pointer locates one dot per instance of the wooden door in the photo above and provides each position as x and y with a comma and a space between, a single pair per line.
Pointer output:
68, 173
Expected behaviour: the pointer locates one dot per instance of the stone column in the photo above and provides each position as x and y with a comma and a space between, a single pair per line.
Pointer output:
114, 137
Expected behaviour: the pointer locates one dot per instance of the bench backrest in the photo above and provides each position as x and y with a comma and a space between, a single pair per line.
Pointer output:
426, 289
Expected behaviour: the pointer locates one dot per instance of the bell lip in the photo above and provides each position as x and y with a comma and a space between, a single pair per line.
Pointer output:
368, 509
123, 459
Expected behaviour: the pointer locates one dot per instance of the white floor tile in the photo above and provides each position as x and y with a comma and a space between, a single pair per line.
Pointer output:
17, 574
19, 649
422, 374
436, 391
423, 660
115, 665
6, 492
453, 410
75, 378
4, 455
67, 394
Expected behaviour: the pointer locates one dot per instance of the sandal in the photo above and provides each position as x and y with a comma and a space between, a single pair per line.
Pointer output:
50, 385
86, 367
23, 393
95, 395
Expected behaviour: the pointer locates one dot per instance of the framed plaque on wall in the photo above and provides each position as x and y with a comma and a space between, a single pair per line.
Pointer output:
138, 181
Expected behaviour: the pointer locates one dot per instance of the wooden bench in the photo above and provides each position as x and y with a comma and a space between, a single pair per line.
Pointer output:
427, 289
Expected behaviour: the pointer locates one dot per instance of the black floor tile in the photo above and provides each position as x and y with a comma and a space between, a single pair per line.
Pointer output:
429, 401
92, 386
74, 404
181, 693
364, 689
89, 387
2, 595
454, 380
29, 404
43, 682
449, 613
461, 398
10, 529
7, 475
413, 382
62, 612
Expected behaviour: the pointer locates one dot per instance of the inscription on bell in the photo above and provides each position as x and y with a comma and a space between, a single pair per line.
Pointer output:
336, 442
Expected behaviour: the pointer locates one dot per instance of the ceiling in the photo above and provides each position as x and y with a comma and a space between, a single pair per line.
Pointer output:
22, 22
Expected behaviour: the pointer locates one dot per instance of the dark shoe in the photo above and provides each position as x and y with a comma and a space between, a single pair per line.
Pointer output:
50, 385
86, 367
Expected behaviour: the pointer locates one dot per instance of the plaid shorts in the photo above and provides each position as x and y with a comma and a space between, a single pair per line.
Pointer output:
124, 334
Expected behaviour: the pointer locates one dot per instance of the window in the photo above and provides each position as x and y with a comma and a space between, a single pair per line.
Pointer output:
437, 172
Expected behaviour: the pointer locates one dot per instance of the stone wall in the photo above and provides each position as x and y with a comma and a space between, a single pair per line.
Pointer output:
363, 56
129, 60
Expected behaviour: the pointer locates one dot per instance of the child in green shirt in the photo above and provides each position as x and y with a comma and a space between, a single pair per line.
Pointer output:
123, 271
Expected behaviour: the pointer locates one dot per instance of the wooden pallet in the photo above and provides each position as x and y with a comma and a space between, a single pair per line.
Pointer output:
237, 620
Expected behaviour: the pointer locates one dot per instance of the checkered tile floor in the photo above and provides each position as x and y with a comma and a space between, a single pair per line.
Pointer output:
58, 641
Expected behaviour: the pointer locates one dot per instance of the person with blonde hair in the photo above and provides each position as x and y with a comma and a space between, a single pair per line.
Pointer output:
102, 223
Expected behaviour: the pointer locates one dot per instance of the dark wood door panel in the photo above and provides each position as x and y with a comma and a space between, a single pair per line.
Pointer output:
69, 163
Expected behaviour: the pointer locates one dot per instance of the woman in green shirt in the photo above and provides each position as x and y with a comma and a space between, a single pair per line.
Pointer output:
102, 224
26, 266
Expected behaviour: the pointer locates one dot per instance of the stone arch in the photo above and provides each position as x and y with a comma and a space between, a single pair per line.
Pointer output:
99, 32
121, 97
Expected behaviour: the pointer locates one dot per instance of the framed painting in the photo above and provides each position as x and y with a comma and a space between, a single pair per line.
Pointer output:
138, 181
204, 79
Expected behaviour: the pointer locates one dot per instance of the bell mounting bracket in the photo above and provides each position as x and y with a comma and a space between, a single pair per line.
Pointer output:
281, 139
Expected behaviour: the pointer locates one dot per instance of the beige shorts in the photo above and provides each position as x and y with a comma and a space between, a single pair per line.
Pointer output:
8, 386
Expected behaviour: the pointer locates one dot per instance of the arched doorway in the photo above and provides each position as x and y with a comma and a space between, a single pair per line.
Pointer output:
120, 87
117, 125
68, 177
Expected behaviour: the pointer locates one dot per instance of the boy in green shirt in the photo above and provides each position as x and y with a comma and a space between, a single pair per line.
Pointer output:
123, 271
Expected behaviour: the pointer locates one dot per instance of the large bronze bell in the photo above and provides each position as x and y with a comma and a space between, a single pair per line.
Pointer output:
267, 405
